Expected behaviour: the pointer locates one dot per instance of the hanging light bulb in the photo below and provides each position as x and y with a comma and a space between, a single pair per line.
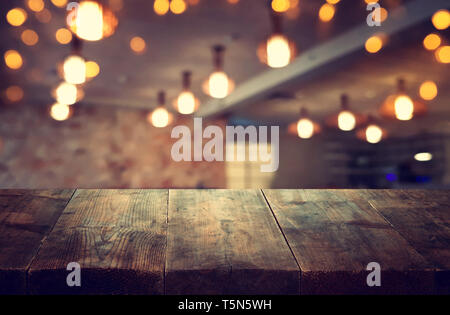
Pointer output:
160, 116
345, 120
304, 128
277, 51
372, 132
400, 106
218, 85
60, 112
186, 103
92, 21
75, 69
66, 94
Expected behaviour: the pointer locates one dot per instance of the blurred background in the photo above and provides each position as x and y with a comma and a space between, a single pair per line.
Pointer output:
90, 91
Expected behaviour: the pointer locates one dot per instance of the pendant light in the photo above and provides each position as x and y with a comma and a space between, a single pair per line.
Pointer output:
277, 51
61, 112
304, 127
400, 105
218, 85
67, 94
160, 116
372, 132
186, 103
92, 20
74, 66
345, 119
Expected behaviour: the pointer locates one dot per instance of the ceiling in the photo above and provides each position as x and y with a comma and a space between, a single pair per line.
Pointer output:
183, 42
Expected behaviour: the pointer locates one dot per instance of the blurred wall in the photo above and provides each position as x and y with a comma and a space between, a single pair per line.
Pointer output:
99, 147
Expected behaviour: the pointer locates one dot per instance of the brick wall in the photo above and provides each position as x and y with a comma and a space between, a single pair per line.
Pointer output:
99, 147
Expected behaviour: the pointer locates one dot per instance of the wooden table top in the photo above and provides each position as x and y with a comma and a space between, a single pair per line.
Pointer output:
224, 241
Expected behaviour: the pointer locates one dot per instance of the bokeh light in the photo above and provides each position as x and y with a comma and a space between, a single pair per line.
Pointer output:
138, 45
29, 37
75, 69
92, 69
326, 12
280, 5
36, 5
441, 19
305, 128
63, 36
178, 6
161, 7
14, 93
44, 16
66, 94
60, 3
374, 134
443, 54
374, 44
428, 90
432, 41
16, 16
13, 59
60, 112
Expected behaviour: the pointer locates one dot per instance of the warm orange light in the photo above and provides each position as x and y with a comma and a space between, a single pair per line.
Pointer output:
218, 84
160, 117
305, 128
14, 93
16, 16
441, 19
278, 51
374, 134
60, 112
89, 21
29, 37
75, 69
194, 2
92, 69
432, 41
161, 7
443, 54
36, 5
428, 90
374, 44
280, 5
60, 3
404, 107
138, 45
326, 12
66, 94
177, 6
371, 1
13, 59
186, 103
63, 36
93, 22
333, 1
346, 120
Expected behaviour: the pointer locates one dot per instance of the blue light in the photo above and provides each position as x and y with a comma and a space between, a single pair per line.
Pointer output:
391, 177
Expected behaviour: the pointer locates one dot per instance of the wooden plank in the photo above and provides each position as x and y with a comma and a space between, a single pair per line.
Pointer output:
26, 217
423, 219
334, 239
226, 242
117, 236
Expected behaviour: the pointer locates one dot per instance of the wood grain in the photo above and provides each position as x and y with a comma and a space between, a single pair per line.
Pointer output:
423, 219
117, 236
226, 242
334, 238
26, 217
